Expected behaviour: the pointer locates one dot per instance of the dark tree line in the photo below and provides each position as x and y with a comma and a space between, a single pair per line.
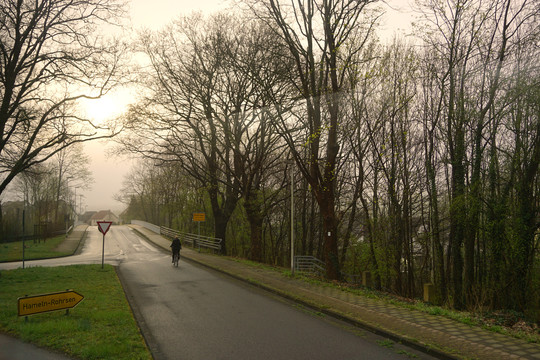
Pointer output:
418, 162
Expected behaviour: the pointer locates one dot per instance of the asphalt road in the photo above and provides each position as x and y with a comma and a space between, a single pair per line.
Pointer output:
193, 313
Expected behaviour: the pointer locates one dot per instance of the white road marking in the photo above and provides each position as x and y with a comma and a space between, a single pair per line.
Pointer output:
148, 246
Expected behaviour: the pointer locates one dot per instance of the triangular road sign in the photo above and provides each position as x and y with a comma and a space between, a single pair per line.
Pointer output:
104, 226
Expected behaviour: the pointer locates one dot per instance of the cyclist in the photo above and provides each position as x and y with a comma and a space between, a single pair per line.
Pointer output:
176, 246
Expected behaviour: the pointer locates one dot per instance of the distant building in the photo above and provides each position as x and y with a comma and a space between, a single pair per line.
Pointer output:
87, 217
104, 215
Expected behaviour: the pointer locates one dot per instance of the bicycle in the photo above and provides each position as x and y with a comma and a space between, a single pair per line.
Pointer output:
176, 257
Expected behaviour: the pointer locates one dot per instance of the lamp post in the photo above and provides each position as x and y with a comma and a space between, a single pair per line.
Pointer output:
292, 217
75, 217
67, 206
23, 225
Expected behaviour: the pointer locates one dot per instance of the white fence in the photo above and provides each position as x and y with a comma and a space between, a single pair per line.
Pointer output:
309, 264
312, 266
147, 225
191, 239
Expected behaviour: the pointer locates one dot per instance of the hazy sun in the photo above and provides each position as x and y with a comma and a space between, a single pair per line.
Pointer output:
105, 108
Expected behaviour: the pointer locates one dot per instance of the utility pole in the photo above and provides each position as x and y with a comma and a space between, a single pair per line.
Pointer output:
292, 217
23, 226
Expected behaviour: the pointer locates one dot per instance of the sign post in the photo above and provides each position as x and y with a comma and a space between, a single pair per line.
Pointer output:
103, 227
29, 305
198, 218
23, 245
292, 220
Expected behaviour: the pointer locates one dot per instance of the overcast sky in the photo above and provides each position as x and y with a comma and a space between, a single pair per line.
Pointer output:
109, 172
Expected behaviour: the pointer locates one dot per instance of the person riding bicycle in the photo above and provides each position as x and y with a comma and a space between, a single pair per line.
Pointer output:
176, 246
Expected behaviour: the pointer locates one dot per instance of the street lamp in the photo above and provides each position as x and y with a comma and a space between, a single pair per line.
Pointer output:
76, 217
80, 203
292, 217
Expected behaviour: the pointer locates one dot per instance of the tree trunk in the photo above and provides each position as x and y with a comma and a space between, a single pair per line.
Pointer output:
527, 222
437, 251
352, 218
457, 231
220, 230
331, 256
1, 225
256, 253
254, 214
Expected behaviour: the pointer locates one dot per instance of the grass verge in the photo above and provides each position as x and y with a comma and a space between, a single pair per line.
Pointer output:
501, 322
100, 327
528, 331
34, 250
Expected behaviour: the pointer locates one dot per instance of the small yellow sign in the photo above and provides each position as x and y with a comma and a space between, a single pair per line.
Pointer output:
198, 216
29, 305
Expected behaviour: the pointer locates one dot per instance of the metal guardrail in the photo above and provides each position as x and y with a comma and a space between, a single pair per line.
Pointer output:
193, 239
313, 266
169, 232
309, 264
147, 225
305, 264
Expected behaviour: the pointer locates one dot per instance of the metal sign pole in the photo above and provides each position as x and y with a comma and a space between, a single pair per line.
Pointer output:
103, 227
292, 220
103, 252
199, 237
23, 244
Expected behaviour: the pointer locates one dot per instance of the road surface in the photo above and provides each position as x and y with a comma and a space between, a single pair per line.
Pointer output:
191, 312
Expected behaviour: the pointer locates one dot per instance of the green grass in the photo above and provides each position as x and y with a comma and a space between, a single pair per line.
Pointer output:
34, 250
259, 265
101, 326
464, 317
386, 343
468, 318
471, 319
407, 354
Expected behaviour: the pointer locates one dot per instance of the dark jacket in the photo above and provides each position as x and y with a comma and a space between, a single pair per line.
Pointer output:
176, 245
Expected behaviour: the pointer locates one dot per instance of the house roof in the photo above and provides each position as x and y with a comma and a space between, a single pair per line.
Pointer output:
104, 214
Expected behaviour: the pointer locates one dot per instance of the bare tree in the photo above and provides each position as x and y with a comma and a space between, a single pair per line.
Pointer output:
206, 108
323, 38
431, 110
474, 41
71, 169
255, 69
519, 196
48, 60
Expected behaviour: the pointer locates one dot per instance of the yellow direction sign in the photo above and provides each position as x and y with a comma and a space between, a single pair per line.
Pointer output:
29, 305
198, 217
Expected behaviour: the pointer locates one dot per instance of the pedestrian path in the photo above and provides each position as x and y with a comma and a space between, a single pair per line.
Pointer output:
437, 335
73, 240
15, 349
